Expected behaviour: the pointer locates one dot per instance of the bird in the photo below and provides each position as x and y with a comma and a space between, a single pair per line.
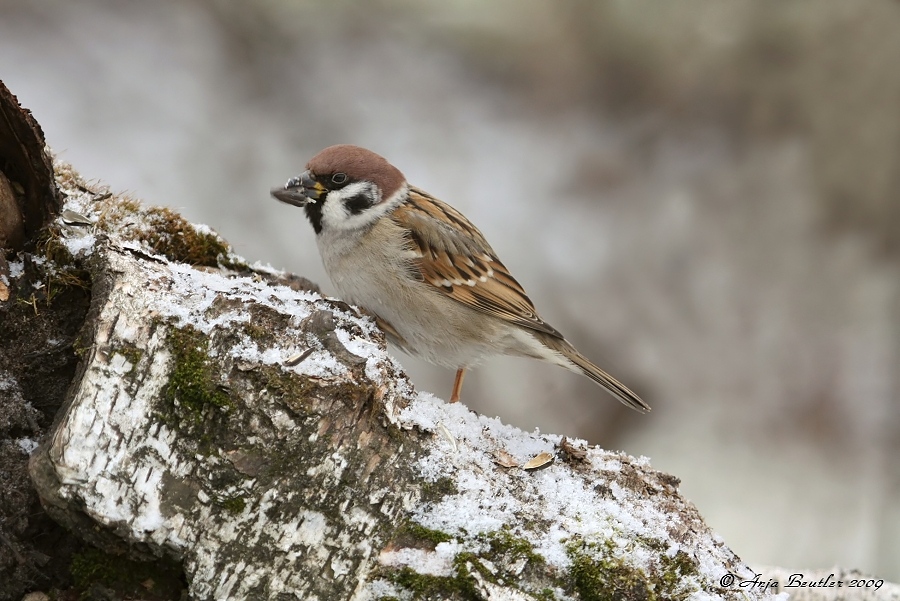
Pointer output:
428, 275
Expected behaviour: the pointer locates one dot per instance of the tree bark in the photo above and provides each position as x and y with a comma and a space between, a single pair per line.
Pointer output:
29, 197
262, 436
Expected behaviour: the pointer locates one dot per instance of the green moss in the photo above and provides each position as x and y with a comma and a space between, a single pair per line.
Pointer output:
228, 262
420, 533
502, 550
502, 542
115, 211
51, 247
130, 579
165, 232
172, 235
437, 490
132, 354
675, 569
283, 385
82, 343
67, 277
598, 575
191, 384
256, 332
233, 504
426, 586
295, 390
462, 564
418, 584
461, 585
65, 272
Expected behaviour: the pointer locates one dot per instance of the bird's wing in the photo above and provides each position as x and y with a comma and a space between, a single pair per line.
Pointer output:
453, 256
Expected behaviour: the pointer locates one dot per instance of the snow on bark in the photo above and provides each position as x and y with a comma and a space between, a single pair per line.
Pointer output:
263, 436
194, 444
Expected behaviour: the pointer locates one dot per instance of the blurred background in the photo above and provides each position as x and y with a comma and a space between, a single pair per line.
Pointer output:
704, 196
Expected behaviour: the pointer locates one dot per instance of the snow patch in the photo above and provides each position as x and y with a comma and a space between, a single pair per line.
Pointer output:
80, 245
16, 268
27, 445
570, 506
434, 563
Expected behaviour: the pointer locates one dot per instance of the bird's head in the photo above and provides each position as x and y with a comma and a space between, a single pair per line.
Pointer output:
344, 187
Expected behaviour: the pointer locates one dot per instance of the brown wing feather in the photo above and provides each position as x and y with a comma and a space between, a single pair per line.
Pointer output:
453, 256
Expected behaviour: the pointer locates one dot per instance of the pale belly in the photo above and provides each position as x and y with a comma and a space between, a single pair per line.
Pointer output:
430, 324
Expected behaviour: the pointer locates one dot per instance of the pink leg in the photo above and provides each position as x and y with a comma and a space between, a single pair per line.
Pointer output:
457, 384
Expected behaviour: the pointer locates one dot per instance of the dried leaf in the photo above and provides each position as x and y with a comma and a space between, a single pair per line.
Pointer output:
446, 434
4, 292
298, 358
542, 460
73, 218
504, 459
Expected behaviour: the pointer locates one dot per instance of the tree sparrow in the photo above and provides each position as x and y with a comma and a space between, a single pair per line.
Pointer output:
433, 282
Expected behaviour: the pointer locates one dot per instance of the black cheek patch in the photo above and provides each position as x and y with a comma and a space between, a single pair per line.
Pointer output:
314, 213
357, 204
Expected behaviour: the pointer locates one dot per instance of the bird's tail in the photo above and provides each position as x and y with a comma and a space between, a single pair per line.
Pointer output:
580, 364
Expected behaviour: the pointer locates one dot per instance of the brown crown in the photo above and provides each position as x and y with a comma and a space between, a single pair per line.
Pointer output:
359, 164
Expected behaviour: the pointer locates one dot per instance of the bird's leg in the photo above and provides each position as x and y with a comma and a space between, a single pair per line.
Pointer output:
457, 384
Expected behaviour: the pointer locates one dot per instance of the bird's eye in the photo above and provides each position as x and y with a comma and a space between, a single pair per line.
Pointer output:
339, 178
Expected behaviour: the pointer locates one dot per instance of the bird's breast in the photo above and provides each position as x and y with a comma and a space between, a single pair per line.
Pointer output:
373, 271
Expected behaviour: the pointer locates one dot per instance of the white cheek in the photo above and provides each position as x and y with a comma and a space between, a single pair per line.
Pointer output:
334, 213
336, 216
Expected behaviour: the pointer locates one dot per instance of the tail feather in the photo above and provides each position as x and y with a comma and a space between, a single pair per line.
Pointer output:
580, 363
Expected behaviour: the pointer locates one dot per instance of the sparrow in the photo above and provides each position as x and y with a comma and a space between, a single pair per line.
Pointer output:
432, 281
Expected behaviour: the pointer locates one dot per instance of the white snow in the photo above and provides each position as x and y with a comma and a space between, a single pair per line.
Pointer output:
8, 383
27, 445
380, 588
490, 498
15, 269
80, 245
435, 563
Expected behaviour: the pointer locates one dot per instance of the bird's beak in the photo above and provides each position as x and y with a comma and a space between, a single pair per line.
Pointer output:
300, 190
